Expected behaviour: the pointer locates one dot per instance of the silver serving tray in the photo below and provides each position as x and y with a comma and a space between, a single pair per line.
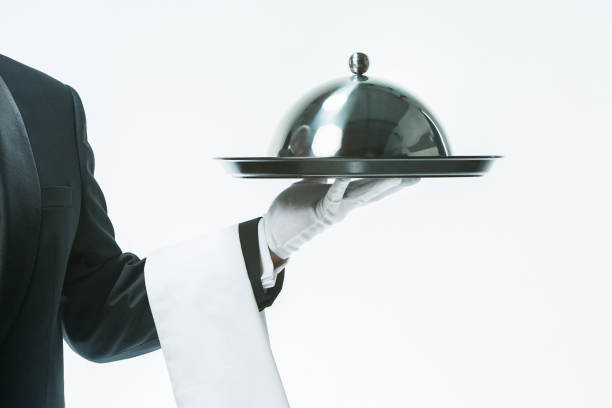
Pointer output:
304, 167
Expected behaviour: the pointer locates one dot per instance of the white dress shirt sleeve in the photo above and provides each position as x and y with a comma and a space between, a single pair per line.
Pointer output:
269, 272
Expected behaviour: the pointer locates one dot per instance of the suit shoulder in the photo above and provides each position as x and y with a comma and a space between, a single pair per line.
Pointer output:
10, 67
32, 84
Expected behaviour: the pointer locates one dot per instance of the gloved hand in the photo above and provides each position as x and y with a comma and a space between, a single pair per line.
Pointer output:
309, 206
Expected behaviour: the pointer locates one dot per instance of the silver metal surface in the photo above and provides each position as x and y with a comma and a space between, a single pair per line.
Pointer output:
359, 117
296, 167
359, 127
359, 63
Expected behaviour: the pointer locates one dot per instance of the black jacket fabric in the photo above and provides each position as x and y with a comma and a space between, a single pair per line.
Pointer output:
62, 275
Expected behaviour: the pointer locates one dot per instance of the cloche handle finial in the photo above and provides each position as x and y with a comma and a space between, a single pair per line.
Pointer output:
359, 63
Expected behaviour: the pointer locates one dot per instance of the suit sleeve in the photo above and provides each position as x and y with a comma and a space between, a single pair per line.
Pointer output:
105, 311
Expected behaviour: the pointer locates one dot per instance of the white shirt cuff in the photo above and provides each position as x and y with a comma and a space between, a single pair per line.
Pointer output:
269, 273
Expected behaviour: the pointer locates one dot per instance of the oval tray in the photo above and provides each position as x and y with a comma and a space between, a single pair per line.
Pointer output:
303, 167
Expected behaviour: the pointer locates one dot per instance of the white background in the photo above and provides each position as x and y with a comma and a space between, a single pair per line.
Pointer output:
489, 292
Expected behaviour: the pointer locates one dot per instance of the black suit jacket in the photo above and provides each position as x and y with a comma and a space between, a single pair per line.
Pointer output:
61, 272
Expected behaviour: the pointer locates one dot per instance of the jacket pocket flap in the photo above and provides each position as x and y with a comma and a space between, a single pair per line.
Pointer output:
56, 196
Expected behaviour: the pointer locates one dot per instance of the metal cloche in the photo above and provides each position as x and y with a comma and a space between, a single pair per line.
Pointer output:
359, 127
359, 117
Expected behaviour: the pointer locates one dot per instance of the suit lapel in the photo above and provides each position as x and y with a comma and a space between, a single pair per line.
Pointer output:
20, 211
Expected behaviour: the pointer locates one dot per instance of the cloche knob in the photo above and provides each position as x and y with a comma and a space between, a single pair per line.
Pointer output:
359, 63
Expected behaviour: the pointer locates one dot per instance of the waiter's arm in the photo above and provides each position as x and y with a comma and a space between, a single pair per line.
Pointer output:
105, 309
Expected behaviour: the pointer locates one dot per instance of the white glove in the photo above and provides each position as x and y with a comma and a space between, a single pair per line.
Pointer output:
309, 206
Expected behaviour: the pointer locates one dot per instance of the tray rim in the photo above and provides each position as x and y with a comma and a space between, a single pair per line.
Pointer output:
233, 165
414, 158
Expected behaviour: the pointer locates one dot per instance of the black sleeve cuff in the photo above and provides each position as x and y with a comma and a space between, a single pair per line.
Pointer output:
249, 242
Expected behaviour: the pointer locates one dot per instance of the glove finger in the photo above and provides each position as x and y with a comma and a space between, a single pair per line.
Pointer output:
329, 205
337, 190
356, 184
364, 191
405, 183
319, 180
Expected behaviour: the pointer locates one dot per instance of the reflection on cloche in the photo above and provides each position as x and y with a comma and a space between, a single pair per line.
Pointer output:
359, 117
